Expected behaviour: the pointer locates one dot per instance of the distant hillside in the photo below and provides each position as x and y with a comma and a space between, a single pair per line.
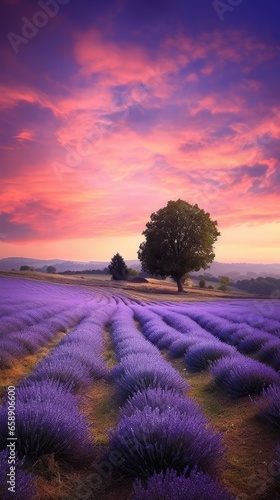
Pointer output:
61, 265
239, 270
234, 271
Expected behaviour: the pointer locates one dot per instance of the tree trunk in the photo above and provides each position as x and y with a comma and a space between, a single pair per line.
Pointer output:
179, 285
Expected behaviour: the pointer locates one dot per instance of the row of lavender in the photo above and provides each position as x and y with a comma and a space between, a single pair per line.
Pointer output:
237, 373
162, 436
234, 372
147, 387
47, 416
247, 332
31, 315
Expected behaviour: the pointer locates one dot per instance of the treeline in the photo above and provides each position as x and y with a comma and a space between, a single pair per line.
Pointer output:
88, 271
260, 286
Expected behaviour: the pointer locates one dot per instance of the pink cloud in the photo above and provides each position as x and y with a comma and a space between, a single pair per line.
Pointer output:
25, 135
124, 62
11, 96
167, 142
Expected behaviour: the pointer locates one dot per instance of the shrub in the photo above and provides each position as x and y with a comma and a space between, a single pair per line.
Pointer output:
252, 343
201, 356
180, 346
236, 335
276, 362
93, 366
134, 346
9, 351
24, 268
51, 269
24, 487
185, 324
155, 335
161, 399
73, 375
269, 352
150, 441
202, 283
223, 288
45, 427
241, 376
45, 391
139, 372
269, 405
166, 340
169, 486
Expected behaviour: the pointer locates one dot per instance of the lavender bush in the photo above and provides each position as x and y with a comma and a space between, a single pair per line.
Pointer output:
269, 405
161, 399
24, 483
150, 440
46, 427
269, 353
241, 376
170, 486
180, 346
141, 371
74, 374
201, 356
253, 343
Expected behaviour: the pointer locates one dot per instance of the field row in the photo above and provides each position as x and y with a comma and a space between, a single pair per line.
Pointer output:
162, 442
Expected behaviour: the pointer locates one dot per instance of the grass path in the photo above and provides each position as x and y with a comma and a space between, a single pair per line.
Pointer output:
25, 365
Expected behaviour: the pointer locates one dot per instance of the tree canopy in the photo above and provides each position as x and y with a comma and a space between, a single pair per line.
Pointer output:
118, 268
179, 239
24, 268
51, 270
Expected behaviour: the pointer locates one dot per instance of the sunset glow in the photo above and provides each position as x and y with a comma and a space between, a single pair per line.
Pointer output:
111, 109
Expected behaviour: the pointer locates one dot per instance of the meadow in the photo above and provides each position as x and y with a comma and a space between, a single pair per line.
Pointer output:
106, 393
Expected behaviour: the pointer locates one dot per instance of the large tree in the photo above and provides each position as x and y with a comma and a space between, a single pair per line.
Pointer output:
179, 239
118, 268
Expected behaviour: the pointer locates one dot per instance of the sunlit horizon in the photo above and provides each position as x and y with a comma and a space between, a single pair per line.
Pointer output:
111, 110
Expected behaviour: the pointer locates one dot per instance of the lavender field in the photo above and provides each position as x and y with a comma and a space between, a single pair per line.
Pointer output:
105, 396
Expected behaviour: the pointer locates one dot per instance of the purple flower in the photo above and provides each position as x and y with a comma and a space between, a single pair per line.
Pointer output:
180, 346
141, 371
45, 427
162, 399
253, 342
269, 405
151, 441
170, 486
201, 356
74, 375
24, 482
241, 376
269, 352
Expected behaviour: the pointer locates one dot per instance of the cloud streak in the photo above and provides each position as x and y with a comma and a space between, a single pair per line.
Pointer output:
124, 118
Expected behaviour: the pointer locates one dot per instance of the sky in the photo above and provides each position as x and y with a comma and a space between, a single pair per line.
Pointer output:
111, 109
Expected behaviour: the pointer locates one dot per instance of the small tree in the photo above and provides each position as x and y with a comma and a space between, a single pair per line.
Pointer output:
118, 268
132, 272
179, 239
24, 268
202, 283
51, 270
224, 282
